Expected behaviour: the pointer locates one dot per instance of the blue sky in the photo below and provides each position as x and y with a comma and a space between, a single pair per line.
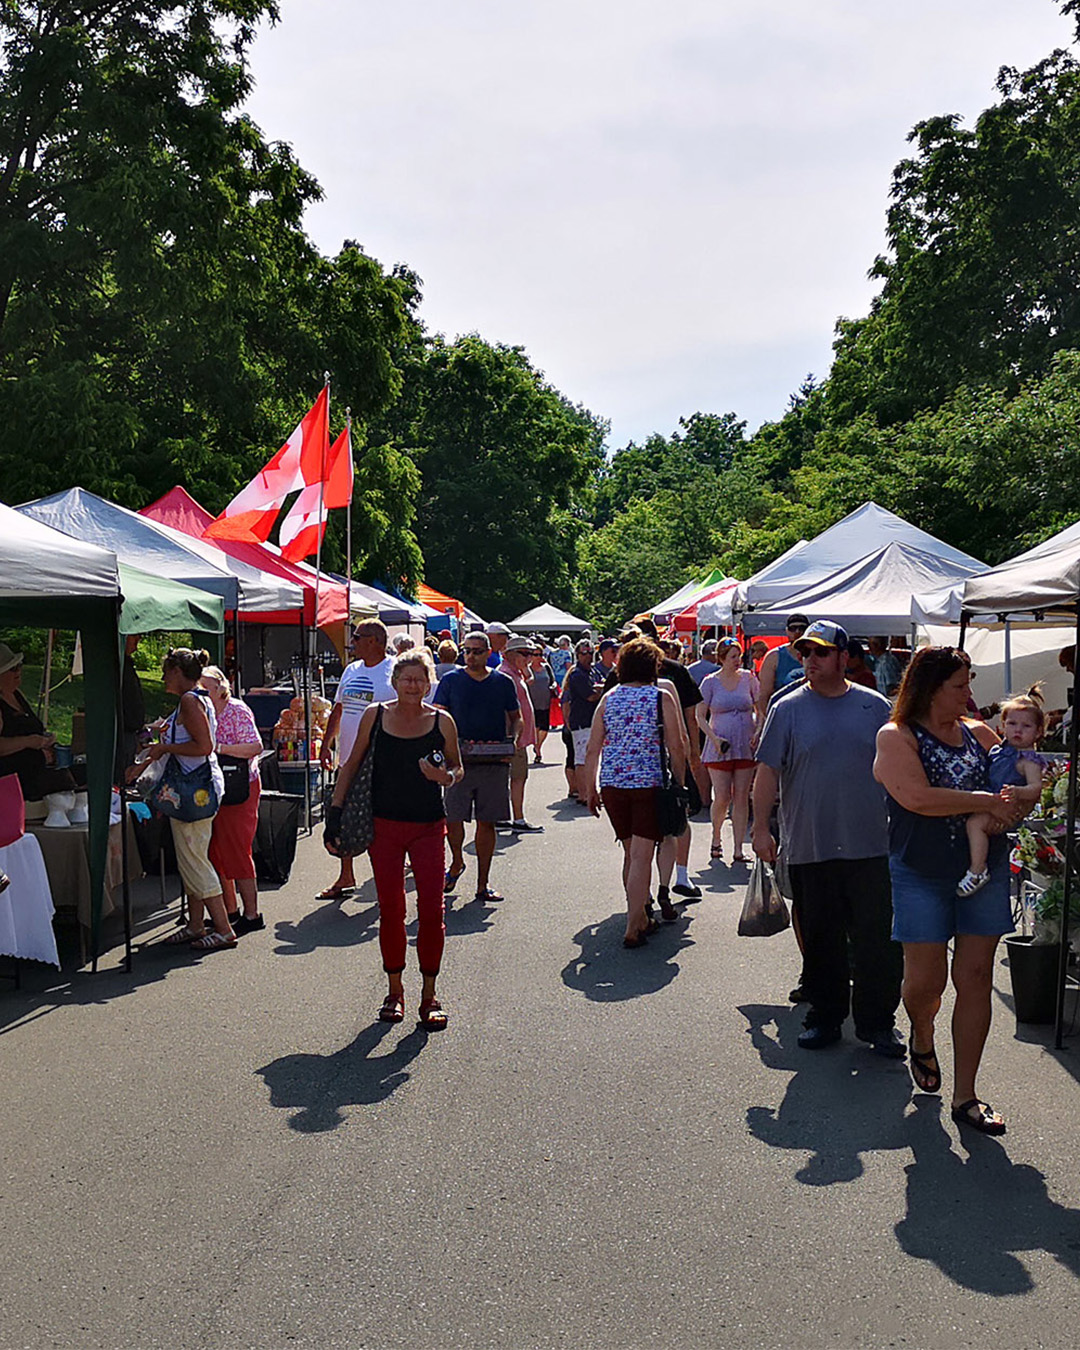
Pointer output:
667, 206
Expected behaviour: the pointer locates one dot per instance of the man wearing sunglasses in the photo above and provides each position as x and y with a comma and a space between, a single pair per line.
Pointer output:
783, 664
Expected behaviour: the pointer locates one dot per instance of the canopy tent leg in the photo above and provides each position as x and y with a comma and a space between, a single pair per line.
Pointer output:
1070, 854
1008, 658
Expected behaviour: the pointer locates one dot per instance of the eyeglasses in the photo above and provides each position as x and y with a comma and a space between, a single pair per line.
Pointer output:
475, 651
796, 628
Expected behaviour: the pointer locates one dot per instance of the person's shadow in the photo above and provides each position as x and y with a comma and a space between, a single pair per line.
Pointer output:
331, 925
608, 972
321, 1086
839, 1104
970, 1216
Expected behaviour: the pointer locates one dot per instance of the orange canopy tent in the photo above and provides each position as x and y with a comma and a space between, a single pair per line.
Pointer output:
445, 604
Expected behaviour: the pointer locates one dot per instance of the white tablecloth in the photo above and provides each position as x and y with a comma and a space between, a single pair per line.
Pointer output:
26, 907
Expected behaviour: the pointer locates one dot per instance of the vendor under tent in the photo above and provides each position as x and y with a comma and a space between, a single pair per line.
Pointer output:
869, 597
865, 531
1042, 581
548, 618
48, 579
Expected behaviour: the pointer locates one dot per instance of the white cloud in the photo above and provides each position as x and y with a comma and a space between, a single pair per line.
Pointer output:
667, 206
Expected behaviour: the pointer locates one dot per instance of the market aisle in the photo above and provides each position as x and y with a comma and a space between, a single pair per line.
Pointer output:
607, 1148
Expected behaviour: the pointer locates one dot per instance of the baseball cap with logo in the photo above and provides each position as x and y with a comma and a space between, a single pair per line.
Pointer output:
823, 633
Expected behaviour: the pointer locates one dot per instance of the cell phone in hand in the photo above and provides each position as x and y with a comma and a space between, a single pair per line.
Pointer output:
436, 759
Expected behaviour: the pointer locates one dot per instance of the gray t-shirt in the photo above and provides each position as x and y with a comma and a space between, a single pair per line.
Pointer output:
823, 750
701, 668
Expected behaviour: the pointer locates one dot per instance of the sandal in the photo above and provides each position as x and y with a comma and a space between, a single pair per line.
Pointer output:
334, 892
183, 937
432, 1015
213, 941
925, 1069
986, 1120
487, 895
716, 852
639, 941
971, 882
393, 1009
450, 881
739, 858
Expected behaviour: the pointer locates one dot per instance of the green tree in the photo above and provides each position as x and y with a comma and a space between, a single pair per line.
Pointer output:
163, 315
982, 284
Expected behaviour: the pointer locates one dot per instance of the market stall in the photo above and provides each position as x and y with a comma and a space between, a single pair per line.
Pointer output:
548, 619
1044, 581
48, 579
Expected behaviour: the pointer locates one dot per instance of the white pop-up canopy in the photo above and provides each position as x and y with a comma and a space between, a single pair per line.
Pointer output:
869, 597
38, 560
866, 530
548, 619
1046, 577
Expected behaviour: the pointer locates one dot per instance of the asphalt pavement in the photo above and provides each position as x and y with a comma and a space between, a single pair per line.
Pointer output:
605, 1148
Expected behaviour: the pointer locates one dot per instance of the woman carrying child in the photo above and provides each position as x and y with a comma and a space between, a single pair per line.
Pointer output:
1016, 771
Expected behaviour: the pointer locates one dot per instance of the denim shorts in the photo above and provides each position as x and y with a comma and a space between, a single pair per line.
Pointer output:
927, 908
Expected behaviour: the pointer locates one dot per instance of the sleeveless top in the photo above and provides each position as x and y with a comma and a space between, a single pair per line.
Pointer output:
31, 765
179, 733
938, 845
631, 757
1005, 765
399, 791
788, 668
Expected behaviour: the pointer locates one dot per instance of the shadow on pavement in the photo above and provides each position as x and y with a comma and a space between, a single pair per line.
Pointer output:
840, 1103
332, 924
970, 1216
608, 972
321, 1086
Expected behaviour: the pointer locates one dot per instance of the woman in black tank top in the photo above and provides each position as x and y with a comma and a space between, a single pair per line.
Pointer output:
415, 755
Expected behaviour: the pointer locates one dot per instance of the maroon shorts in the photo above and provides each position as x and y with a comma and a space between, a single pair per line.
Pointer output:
730, 765
632, 811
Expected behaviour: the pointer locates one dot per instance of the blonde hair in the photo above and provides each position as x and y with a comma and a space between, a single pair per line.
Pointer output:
216, 673
1030, 702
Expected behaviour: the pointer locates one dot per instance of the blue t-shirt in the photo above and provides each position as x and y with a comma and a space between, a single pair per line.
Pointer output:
478, 707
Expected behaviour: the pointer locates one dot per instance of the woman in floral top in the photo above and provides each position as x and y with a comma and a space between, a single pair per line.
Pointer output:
234, 826
625, 732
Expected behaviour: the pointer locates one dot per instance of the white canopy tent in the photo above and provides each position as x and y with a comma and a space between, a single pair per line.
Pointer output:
870, 597
38, 560
866, 530
548, 618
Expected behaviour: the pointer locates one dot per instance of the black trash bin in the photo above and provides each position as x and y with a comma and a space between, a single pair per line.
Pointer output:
275, 835
1033, 969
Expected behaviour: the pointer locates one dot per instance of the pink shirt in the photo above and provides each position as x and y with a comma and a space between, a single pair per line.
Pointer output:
528, 717
236, 726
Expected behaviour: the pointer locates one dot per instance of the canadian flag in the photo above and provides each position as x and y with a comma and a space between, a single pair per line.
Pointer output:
303, 528
251, 514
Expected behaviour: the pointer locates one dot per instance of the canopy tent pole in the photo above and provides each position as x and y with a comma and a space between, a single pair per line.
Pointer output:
46, 679
1070, 853
122, 790
348, 526
1008, 655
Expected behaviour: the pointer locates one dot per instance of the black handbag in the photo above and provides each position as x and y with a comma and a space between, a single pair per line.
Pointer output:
671, 798
237, 772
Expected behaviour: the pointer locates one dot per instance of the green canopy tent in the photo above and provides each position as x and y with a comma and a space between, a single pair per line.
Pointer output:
48, 580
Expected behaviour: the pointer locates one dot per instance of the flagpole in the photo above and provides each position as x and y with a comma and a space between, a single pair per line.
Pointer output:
314, 649
348, 523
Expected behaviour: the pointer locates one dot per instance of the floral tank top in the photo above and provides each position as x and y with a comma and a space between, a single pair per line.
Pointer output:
631, 757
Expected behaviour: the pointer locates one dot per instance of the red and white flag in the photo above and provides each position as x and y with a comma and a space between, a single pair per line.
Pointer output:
301, 532
251, 514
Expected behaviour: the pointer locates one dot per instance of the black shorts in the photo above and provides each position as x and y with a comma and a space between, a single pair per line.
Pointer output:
543, 718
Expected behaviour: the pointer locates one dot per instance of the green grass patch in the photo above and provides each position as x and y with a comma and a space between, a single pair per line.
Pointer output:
67, 698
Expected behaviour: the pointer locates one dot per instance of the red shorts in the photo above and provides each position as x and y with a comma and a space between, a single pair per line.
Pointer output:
730, 765
632, 811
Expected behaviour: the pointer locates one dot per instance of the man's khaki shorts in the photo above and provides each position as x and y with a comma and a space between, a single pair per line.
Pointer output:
519, 766
483, 794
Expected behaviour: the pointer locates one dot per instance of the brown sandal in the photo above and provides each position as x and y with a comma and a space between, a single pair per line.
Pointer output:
432, 1015
393, 1009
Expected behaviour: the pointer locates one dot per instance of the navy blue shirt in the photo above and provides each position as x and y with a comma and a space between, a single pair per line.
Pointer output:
478, 707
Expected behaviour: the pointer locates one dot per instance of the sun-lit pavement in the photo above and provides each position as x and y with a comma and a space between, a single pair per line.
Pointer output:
606, 1148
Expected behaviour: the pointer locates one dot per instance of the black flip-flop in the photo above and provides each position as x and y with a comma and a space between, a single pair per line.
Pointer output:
925, 1069
487, 895
983, 1120
451, 879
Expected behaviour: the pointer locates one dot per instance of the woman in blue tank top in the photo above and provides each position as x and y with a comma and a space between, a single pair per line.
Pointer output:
934, 764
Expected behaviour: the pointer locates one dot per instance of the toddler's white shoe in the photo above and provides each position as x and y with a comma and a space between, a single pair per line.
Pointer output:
971, 882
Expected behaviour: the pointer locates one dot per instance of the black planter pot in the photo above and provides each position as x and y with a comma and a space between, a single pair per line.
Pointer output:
1034, 974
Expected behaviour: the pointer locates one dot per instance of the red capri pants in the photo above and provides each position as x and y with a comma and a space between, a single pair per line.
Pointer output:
234, 833
424, 843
